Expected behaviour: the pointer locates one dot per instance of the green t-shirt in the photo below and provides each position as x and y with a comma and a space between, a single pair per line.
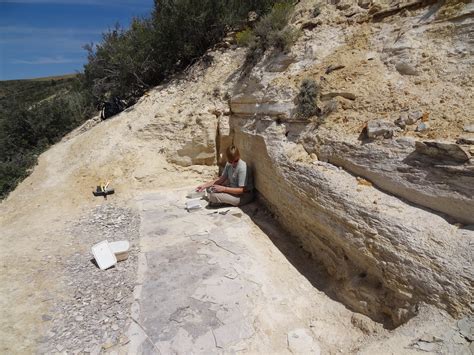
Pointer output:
240, 176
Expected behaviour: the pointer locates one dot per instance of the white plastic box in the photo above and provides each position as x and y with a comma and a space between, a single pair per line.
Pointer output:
120, 249
103, 255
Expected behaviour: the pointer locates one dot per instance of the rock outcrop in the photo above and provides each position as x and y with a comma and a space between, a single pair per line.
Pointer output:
439, 181
384, 255
385, 237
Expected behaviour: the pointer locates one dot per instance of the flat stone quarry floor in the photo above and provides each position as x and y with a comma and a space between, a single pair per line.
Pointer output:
211, 281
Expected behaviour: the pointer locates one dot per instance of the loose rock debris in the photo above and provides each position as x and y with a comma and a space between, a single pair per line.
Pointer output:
93, 314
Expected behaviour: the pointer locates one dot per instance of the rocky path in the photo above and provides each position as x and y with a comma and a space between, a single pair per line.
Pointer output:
210, 281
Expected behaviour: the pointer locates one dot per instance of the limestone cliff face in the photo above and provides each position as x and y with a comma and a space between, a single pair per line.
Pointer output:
382, 239
385, 255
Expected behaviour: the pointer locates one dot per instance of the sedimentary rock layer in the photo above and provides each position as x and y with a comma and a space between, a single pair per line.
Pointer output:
443, 184
384, 255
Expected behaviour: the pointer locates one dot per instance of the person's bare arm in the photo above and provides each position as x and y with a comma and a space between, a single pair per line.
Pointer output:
229, 190
217, 182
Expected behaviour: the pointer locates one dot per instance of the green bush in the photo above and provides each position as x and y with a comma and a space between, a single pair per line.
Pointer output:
306, 105
27, 128
283, 40
123, 64
245, 38
176, 34
271, 32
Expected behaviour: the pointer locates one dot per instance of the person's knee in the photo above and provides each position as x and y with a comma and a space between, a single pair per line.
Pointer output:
212, 197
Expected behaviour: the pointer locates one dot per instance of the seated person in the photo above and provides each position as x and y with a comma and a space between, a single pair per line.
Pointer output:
234, 186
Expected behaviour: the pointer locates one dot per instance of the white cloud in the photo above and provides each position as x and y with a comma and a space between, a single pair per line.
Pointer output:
47, 60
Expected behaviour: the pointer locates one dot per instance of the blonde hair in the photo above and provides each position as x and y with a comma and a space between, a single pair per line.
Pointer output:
232, 153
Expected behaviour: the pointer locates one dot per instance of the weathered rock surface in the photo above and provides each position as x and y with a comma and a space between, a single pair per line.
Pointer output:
406, 69
213, 283
469, 127
98, 311
386, 255
443, 151
380, 128
250, 104
423, 126
399, 168
280, 63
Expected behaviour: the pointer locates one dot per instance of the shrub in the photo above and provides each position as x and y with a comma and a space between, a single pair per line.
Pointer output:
176, 34
245, 38
268, 27
272, 31
122, 65
306, 105
282, 40
27, 128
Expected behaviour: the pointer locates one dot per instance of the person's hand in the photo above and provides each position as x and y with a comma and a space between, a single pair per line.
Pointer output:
218, 188
200, 188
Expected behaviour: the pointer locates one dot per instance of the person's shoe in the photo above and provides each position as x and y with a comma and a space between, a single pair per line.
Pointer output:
214, 205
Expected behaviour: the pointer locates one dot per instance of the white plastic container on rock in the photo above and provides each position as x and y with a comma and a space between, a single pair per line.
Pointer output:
103, 255
120, 249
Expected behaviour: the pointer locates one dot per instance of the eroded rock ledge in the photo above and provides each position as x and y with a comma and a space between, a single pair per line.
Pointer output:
385, 255
441, 183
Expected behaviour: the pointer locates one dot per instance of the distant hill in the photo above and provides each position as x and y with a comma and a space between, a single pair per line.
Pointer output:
35, 113
33, 90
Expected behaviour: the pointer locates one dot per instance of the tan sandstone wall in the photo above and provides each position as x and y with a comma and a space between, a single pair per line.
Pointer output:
384, 255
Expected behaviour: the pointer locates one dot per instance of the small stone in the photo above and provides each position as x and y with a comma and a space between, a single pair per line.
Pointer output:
79, 318
119, 297
469, 127
402, 120
466, 328
380, 128
362, 181
430, 338
443, 151
122, 316
422, 127
364, 323
115, 327
231, 275
107, 345
301, 342
465, 140
59, 347
413, 116
405, 69
365, 4
424, 346
343, 5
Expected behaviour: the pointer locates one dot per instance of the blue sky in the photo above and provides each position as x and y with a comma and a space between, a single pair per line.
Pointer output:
45, 37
